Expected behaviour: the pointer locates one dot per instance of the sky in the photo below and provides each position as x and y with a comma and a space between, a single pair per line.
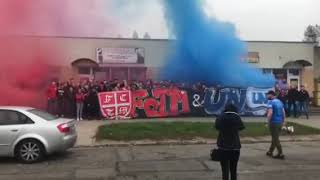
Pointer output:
277, 20
274, 20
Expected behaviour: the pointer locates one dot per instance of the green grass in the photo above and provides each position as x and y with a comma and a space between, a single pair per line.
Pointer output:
182, 130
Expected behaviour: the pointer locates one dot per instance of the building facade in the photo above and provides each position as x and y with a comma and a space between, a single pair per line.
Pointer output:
140, 59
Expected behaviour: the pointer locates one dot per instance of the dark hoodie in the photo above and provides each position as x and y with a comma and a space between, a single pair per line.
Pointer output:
229, 124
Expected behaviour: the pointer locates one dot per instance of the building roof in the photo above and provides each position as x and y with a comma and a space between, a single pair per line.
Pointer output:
113, 38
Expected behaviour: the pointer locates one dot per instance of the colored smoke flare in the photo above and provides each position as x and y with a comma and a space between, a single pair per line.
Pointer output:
24, 71
25, 61
207, 50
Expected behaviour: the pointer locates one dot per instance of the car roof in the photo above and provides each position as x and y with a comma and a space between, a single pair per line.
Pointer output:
16, 108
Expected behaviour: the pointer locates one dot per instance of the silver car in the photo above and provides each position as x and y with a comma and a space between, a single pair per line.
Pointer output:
29, 134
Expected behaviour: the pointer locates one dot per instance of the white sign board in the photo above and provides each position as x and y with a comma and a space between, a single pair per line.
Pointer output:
120, 55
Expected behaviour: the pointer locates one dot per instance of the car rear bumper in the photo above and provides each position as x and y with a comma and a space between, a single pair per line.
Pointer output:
69, 141
66, 142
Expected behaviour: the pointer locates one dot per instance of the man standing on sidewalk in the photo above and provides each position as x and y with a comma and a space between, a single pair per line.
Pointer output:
304, 101
52, 98
276, 119
293, 95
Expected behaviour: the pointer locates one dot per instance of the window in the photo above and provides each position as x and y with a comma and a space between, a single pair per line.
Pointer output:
280, 73
267, 71
138, 74
119, 73
294, 72
43, 115
8, 117
251, 57
84, 70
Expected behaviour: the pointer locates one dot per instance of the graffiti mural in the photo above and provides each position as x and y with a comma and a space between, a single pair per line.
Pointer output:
196, 102
159, 103
172, 102
250, 101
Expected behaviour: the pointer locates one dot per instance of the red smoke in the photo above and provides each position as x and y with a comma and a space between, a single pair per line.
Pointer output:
24, 61
24, 70
55, 17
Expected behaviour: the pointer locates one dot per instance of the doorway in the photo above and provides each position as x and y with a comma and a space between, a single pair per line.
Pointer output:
294, 77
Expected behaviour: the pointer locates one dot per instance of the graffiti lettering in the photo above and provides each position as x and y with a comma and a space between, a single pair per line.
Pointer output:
251, 101
161, 102
174, 102
196, 101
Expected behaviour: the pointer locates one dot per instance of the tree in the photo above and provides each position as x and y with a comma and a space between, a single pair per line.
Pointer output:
147, 36
135, 35
312, 33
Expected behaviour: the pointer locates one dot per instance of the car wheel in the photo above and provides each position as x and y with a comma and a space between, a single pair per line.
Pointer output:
30, 151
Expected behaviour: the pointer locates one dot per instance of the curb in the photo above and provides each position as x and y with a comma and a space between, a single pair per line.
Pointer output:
200, 141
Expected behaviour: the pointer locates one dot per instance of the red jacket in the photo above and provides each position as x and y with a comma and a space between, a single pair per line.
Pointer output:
52, 92
80, 97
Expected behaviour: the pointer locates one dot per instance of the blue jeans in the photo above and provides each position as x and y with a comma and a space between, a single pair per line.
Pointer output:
79, 110
304, 108
294, 105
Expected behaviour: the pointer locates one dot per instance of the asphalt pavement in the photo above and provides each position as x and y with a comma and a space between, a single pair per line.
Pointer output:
167, 162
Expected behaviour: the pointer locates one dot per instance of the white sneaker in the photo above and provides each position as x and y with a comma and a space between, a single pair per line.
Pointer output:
81, 119
78, 119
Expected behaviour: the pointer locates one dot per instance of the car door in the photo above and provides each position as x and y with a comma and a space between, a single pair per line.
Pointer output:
11, 125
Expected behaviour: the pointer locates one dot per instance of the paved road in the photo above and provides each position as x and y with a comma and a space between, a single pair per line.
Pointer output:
167, 163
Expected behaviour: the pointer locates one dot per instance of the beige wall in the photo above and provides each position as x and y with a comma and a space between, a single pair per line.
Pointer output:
272, 54
276, 54
317, 62
76, 48
308, 79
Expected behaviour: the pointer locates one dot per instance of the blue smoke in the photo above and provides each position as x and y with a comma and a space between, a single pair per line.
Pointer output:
207, 50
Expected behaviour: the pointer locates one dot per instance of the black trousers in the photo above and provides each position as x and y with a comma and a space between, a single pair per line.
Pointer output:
52, 106
61, 107
229, 164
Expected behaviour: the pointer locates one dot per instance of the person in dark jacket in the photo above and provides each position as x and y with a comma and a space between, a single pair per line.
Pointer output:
303, 99
293, 94
284, 99
61, 100
52, 98
93, 104
70, 103
229, 124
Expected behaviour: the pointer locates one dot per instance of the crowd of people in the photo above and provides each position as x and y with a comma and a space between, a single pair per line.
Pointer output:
296, 101
80, 100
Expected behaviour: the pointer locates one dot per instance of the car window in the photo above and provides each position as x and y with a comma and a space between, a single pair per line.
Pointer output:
44, 115
24, 119
8, 117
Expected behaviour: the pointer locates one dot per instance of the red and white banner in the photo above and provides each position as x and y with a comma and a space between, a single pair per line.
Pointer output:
115, 105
